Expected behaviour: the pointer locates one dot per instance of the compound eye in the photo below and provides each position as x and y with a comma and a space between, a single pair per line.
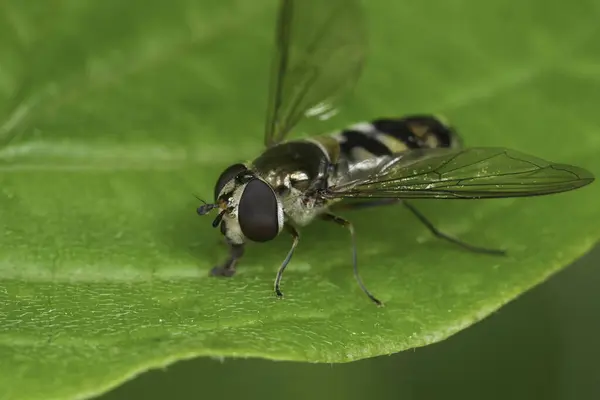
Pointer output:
258, 212
226, 176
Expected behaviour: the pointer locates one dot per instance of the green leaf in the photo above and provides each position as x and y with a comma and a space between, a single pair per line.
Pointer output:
112, 114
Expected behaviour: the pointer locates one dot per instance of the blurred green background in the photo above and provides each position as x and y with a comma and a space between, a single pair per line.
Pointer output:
544, 345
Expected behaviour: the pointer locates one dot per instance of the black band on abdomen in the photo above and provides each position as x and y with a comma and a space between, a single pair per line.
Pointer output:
356, 139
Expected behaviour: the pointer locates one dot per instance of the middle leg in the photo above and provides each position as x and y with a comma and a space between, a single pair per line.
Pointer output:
350, 227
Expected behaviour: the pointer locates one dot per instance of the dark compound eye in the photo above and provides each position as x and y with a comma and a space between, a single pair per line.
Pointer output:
226, 176
258, 213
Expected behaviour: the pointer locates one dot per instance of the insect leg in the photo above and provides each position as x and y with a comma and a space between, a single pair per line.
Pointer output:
350, 227
296, 237
451, 239
236, 251
422, 218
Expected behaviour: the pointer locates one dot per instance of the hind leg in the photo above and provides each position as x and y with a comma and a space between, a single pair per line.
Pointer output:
423, 219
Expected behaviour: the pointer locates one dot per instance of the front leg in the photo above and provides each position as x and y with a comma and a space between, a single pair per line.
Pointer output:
236, 251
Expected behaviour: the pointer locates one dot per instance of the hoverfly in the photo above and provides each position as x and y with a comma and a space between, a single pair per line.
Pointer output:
319, 54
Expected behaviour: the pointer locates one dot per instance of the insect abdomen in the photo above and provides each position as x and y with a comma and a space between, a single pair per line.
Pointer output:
386, 136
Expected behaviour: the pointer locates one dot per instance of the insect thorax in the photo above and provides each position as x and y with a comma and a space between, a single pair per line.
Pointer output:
295, 170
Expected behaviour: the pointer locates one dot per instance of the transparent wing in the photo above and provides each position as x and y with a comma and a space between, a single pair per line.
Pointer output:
319, 54
473, 173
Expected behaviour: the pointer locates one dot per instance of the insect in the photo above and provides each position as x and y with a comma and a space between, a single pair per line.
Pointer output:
319, 53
